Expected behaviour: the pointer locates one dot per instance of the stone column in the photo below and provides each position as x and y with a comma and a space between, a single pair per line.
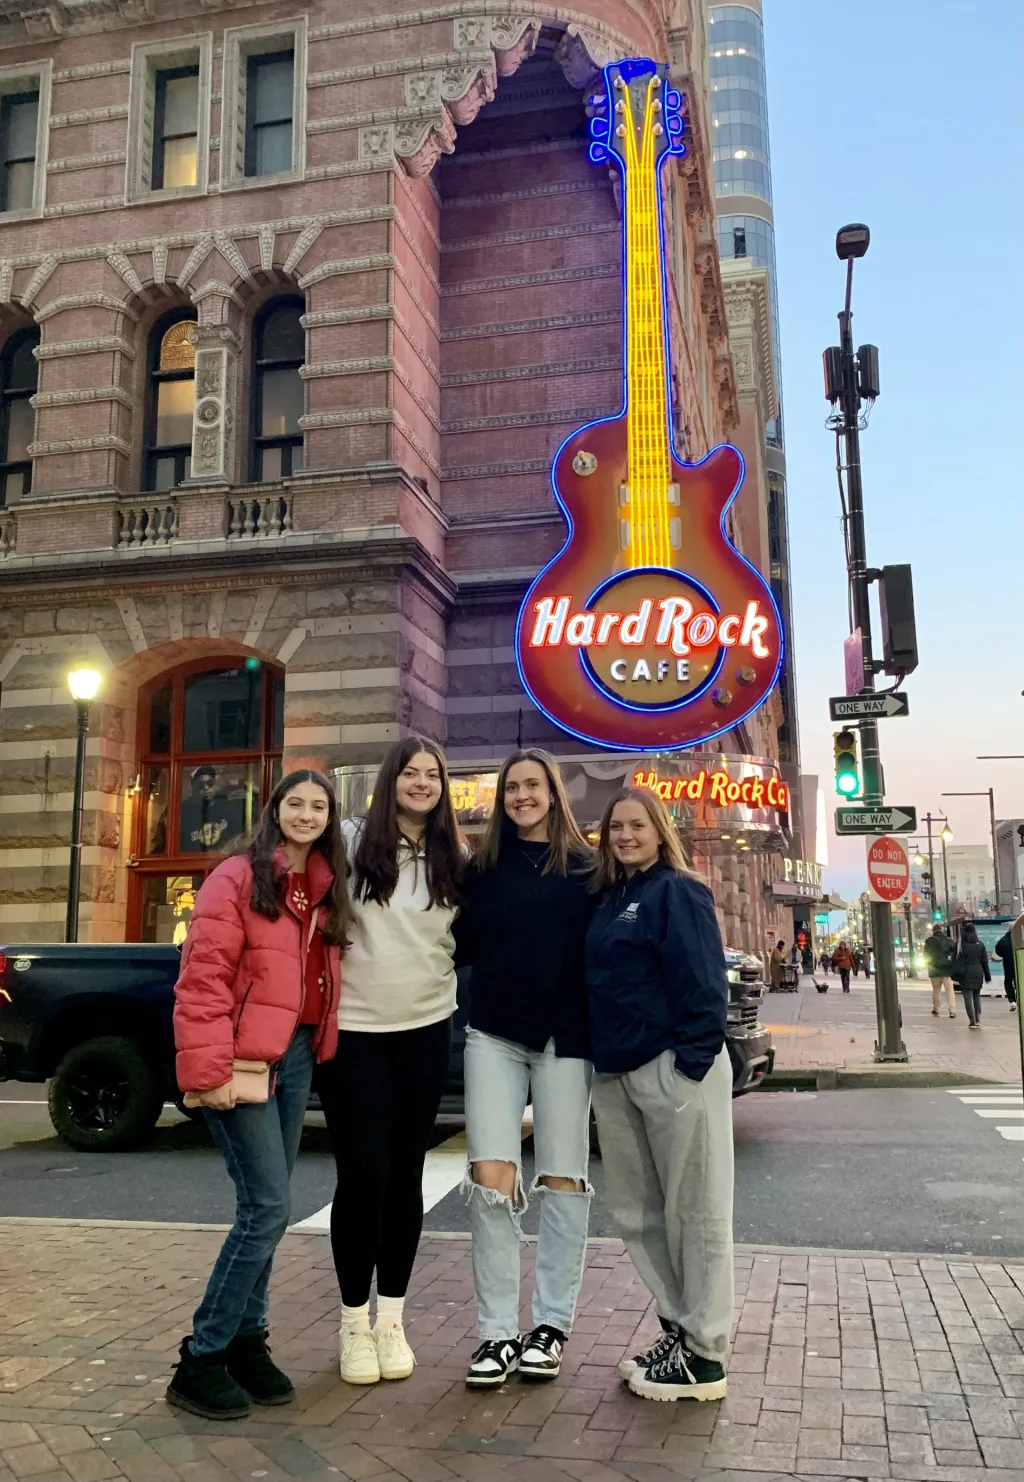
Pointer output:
213, 420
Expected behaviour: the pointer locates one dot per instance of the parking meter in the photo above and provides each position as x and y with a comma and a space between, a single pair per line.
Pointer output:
1017, 943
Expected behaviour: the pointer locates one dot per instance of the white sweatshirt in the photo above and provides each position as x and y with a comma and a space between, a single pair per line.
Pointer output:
399, 971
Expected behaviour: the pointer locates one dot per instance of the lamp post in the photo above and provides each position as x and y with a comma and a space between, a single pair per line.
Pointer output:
990, 794
850, 380
947, 838
84, 685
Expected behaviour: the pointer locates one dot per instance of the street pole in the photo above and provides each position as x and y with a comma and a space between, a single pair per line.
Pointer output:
911, 970
75, 862
890, 1044
988, 792
945, 878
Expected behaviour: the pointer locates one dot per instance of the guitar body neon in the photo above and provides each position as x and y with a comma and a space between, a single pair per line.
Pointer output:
648, 631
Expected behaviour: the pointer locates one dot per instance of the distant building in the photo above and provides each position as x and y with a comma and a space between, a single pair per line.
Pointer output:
971, 882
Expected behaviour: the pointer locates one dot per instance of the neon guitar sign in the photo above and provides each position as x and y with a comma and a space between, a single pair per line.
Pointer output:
648, 631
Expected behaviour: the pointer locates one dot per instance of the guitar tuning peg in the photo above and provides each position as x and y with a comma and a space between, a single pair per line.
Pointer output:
598, 154
673, 98
599, 128
675, 125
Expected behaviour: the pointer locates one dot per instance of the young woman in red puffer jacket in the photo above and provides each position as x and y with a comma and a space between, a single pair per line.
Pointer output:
255, 1008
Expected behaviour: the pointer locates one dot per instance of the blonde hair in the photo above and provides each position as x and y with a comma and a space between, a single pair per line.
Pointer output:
670, 851
566, 843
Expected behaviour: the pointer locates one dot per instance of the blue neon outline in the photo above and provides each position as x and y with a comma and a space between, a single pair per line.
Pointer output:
666, 705
634, 66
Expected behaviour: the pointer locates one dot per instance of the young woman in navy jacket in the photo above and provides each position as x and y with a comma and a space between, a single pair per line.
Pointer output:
662, 1090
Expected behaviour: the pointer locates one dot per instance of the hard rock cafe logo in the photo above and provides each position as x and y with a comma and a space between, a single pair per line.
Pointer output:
661, 652
717, 789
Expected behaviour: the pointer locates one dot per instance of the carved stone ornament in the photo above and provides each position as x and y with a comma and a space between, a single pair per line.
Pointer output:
582, 53
465, 90
208, 412
419, 142
422, 89
377, 143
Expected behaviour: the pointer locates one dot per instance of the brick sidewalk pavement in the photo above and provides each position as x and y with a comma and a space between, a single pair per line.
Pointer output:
837, 1031
843, 1367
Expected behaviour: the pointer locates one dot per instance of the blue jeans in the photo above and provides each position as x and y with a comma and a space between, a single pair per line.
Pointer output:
260, 1145
499, 1078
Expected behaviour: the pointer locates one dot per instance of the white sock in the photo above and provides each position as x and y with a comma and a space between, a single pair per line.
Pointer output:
356, 1319
389, 1312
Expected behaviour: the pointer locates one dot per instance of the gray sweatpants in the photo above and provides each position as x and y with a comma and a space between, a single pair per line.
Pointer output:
666, 1148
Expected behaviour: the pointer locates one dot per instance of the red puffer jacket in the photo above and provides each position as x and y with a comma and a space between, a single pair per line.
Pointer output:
239, 994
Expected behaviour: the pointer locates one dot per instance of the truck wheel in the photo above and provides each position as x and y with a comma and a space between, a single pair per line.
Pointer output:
105, 1095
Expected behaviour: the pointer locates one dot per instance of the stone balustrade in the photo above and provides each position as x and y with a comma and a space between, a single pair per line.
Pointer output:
259, 518
149, 523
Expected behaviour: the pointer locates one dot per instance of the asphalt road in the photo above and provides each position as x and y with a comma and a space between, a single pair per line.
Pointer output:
881, 1170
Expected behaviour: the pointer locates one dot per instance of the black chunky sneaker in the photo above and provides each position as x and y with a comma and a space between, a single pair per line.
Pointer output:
542, 1353
493, 1362
658, 1350
250, 1365
680, 1375
203, 1385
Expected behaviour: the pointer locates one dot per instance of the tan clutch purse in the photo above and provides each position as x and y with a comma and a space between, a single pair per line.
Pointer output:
251, 1082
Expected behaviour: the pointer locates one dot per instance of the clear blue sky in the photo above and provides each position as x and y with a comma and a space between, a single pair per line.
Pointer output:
908, 117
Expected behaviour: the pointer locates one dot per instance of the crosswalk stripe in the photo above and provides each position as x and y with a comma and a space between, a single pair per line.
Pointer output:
989, 1089
997, 1111
443, 1170
1012, 1134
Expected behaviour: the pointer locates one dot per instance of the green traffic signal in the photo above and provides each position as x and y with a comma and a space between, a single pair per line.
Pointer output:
936, 915
846, 764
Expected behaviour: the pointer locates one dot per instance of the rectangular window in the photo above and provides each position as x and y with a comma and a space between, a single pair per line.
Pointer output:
176, 128
169, 117
19, 132
269, 94
263, 114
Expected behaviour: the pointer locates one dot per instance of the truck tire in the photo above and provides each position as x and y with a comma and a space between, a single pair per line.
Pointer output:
105, 1095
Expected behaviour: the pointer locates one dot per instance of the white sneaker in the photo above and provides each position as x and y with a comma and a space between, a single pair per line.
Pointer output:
394, 1356
359, 1363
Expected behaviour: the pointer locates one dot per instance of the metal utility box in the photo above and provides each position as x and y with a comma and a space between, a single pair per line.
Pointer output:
899, 629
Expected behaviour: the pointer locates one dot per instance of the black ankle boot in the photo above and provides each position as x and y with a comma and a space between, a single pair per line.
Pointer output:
249, 1362
203, 1385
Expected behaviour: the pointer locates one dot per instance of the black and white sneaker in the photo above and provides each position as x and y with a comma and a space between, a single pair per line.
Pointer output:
680, 1375
493, 1362
662, 1346
542, 1354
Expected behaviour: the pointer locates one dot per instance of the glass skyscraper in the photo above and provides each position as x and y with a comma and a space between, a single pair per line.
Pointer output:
746, 228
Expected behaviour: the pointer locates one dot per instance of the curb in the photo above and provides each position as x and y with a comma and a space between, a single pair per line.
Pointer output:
870, 1078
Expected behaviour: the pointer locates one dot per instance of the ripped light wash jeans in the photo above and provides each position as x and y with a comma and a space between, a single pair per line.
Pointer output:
500, 1077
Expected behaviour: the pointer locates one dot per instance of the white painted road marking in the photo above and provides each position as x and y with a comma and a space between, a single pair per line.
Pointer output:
991, 1102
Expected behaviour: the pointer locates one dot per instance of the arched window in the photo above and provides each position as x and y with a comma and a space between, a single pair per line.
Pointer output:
210, 737
171, 397
19, 374
279, 348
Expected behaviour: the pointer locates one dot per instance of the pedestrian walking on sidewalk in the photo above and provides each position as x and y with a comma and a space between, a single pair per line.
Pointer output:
825, 962
843, 961
522, 931
1004, 951
858, 958
657, 994
255, 1007
381, 1092
777, 967
938, 964
971, 970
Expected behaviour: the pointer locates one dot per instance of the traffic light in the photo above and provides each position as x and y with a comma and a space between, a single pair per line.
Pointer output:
847, 765
936, 915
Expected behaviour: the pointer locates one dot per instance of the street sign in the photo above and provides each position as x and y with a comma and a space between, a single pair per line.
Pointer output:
888, 869
868, 707
884, 820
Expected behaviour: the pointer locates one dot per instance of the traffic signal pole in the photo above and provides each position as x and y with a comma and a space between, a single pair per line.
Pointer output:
889, 1045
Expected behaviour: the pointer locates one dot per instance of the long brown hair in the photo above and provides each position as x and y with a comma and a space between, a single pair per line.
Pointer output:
609, 870
268, 882
375, 863
567, 847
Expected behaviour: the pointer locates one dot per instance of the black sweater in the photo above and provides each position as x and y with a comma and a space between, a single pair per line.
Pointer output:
656, 976
522, 932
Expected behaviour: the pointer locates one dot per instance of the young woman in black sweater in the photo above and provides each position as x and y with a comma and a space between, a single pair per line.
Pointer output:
522, 929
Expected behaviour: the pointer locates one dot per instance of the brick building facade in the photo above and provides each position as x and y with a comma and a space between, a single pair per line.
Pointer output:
312, 294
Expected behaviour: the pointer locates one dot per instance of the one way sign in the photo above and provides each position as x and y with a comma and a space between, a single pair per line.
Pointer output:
868, 707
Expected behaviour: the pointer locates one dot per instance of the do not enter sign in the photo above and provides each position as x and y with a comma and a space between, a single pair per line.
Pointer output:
888, 869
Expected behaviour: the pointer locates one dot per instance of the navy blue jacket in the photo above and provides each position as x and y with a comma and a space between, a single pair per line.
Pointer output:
656, 977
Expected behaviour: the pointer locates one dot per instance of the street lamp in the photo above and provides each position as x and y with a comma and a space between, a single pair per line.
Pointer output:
990, 794
84, 685
946, 837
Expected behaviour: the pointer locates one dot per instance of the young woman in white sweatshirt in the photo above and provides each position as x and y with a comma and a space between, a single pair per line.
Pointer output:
381, 1093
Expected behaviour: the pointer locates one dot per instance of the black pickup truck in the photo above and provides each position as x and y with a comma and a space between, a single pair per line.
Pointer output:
95, 1022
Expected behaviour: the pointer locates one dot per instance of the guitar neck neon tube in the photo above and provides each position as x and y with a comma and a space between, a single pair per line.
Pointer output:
649, 631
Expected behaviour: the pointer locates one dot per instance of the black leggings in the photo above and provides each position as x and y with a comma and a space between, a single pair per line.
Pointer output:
380, 1096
